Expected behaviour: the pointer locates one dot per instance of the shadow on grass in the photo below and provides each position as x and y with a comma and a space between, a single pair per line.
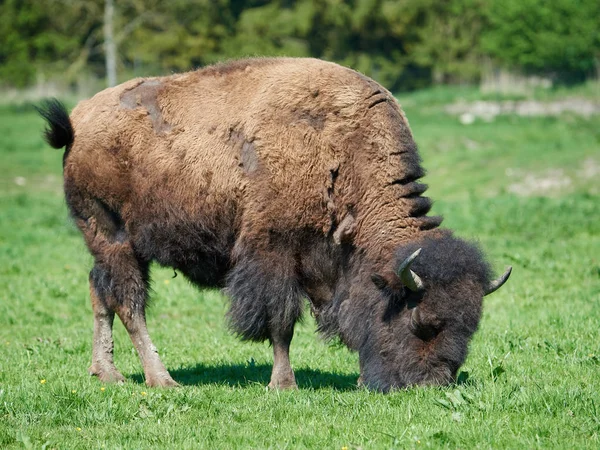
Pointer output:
240, 375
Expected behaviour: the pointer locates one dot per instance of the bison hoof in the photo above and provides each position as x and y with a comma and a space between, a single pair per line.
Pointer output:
283, 385
162, 381
106, 374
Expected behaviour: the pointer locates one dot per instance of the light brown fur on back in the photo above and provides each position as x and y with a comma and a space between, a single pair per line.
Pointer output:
282, 144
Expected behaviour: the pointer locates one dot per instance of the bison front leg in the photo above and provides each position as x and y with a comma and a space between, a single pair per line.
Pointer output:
266, 302
282, 376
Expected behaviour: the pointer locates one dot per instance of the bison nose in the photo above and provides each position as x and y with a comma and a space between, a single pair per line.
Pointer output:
380, 383
441, 376
435, 376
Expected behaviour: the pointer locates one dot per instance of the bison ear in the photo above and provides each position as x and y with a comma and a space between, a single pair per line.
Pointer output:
379, 281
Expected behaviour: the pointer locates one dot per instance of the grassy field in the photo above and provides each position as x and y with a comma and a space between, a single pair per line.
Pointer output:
527, 189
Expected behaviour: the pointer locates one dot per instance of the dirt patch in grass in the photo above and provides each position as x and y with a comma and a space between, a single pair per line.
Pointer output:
589, 169
552, 181
488, 110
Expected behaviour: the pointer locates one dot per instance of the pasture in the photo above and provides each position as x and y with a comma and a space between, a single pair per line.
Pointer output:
527, 188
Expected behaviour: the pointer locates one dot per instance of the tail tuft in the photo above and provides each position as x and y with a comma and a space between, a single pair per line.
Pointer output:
59, 131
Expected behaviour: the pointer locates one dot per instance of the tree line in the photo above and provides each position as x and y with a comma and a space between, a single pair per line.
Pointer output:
404, 44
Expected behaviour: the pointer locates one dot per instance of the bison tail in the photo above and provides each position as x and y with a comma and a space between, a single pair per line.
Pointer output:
59, 131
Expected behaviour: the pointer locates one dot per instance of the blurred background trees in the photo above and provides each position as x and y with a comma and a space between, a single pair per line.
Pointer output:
403, 44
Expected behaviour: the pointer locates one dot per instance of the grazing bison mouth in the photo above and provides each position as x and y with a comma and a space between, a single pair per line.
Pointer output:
379, 372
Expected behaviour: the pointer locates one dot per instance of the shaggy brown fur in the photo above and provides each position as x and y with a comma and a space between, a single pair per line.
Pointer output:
277, 179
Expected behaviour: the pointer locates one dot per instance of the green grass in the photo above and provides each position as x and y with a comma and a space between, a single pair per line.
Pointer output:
532, 379
442, 95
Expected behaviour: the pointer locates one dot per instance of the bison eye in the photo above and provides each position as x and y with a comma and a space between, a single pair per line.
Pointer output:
379, 281
426, 332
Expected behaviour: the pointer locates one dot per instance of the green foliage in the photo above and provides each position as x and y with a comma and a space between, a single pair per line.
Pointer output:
45, 38
538, 36
172, 36
532, 379
404, 45
271, 29
19, 19
448, 39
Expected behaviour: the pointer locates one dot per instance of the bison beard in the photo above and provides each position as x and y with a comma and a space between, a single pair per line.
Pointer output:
277, 179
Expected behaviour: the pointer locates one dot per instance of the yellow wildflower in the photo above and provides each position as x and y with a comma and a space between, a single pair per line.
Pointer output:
43, 381
102, 388
143, 393
78, 429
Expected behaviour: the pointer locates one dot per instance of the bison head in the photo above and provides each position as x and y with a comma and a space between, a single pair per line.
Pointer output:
424, 313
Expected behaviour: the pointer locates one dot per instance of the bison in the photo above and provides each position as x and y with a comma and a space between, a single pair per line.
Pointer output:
277, 179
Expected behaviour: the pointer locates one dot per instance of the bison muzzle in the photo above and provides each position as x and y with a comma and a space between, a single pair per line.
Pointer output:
279, 180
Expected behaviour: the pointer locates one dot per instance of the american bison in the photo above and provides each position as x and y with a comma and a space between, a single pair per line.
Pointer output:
277, 179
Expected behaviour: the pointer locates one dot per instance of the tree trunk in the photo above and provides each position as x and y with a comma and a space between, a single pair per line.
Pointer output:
110, 48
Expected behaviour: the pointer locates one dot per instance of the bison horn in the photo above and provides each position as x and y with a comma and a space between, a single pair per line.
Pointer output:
497, 284
410, 279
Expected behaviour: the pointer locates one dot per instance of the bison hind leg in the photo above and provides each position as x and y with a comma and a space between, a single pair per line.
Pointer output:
118, 284
102, 352
266, 303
